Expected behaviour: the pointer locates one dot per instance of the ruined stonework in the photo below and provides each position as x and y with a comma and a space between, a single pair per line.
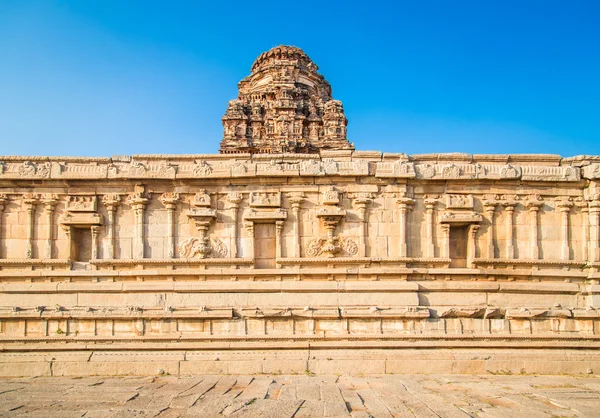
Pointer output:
284, 105
332, 261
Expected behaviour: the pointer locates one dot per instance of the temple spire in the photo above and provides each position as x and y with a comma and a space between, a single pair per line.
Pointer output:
284, 105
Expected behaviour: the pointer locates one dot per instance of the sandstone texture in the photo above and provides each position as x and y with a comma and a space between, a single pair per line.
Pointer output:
319, 258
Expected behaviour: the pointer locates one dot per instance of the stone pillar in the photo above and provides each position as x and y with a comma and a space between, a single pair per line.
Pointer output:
489, 207
585, 229
534, 209
565, 208
430, 243
296, 200
404, 206
50, 203
509, 207
169, 201
30, 203
95, 234
472, 248
111, 202
235, 199
278, 240
446, 243
138, 204
3, 202
361, 201
594, 206
249, 225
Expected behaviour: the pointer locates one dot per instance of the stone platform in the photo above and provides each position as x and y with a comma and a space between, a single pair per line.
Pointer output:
303, 396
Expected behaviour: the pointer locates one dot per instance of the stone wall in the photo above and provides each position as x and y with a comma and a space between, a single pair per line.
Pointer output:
350, 255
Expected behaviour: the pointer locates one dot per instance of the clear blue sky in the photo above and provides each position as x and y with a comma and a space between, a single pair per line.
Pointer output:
112, 77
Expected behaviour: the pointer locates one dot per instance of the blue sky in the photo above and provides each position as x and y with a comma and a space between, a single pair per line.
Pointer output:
106, 77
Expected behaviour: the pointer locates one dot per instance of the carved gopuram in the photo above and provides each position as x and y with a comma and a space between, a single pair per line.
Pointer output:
290, 252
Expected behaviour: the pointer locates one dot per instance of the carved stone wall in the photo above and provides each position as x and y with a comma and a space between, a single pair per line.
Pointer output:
362, 260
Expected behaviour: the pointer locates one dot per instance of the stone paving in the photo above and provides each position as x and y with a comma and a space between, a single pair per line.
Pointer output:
303, 396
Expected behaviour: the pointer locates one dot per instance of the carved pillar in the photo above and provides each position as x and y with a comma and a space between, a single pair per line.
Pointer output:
446, 244
250, 242
95, 234
585, 232
361, 201
534, 209
489, 207
594, 231
509, 207
278, 241
472, 248
30, 203
138, 204
429, 208
404, 206
296, 199
50, 203
111, 202
565, 208
235, 199
3, 202
169, 201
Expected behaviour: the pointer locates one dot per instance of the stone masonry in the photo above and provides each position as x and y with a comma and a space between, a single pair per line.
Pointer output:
320, 258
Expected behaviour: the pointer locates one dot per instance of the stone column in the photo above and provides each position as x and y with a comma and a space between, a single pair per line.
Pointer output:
3, 202
50, 203
565, 208
404, 206
489, 207
278, 240
169, 201
509, 207
594, 206
111, 202
361, 201
472, 248
249, 225
429, 209
235, 199
446, 243
585, 233
534, 209
95, 234
30, 201
138, 203
296, 200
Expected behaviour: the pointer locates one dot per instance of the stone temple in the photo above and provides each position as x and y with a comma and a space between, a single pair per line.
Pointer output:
291, 252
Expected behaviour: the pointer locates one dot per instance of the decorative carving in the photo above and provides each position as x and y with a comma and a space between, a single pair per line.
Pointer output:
451, 171
322, 246
461, 217
111, 201
202, 169
30, 169
169, 199
265, 199
285, 105
201, 199
510, 172
426, 171
81, 203
165, 169
202, 247
330, 196
459, 201
400, 169
137, 169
